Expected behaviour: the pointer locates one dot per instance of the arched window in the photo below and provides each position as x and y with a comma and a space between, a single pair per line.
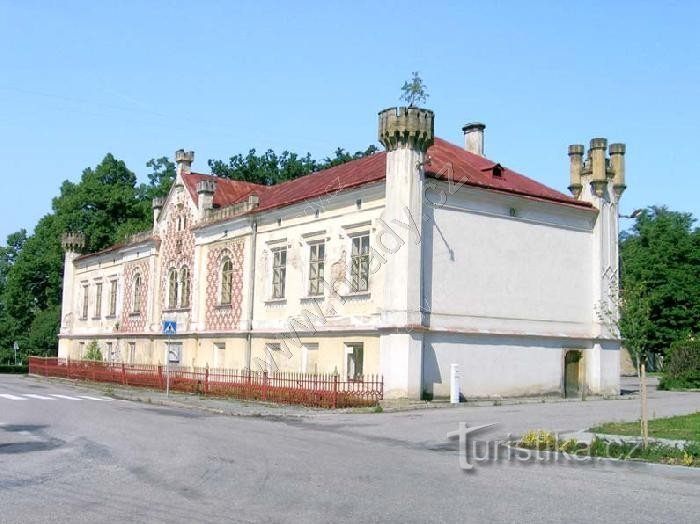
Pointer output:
172, 289
226, 281
136, 302
184, 287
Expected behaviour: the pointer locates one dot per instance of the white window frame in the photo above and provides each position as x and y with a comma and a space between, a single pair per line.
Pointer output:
283, 269
355, 236
350, 348
321, 268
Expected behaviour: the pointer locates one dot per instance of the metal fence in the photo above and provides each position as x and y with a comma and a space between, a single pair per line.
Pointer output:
324, 390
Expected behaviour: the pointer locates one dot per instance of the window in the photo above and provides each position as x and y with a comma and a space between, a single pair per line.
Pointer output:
219, 349
354, 356
132, 352
272, 351
136, 304
178, 246
226, 282
309, 358
113, 298
81, 349
359, 271
185, 287
110, 352
85, 302
279, 272
172, 289
317, 256
98, 300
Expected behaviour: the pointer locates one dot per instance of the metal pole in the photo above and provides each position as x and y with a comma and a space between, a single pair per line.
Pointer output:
167, 368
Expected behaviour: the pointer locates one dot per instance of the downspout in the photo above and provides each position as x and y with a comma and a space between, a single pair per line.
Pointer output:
251, 298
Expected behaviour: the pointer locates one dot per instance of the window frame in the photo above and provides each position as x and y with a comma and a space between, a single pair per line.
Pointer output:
317, 267
185, 287
85, 308
279, 273
353, 350
98, 300
136, 295
226, 282
359, 262
113, 290
172, 302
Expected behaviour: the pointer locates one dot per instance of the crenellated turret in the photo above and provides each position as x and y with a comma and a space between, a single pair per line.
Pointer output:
73, 242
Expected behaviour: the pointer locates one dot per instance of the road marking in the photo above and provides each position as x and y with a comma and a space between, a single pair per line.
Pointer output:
11, 397
95, 398
63, 396
39, 397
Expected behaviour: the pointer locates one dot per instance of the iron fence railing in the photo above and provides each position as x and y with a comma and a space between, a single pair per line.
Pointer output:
321, 390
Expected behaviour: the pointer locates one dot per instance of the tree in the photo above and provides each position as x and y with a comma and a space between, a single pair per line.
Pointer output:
661, 254
93, 352
414, 91
270, 168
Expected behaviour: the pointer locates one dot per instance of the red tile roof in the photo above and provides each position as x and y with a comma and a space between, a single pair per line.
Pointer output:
227, 191
446, 160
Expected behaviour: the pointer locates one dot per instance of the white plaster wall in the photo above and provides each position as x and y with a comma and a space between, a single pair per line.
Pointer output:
487, 271
491, 365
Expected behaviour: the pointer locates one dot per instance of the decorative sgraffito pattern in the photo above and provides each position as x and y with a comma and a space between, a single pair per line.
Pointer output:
131, 322
224, 318
177, 249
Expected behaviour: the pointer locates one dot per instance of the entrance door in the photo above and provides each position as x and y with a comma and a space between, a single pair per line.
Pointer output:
572, 387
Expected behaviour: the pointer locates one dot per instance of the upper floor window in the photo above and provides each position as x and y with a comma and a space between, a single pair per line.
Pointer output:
113, 298
185, 287
136, 303
98, 300
279, 272
172, 289
359, 270
86, 297
317, 258
226, 281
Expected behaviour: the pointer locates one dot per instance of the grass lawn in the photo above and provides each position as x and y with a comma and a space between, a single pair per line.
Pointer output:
683, 427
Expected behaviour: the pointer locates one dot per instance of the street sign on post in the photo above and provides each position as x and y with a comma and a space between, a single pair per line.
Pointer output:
170, 330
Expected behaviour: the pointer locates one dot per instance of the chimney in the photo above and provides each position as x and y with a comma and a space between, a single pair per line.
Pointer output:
474, 138
158, 203
205, 196
599, 164
184, 160
617, 162
576, 158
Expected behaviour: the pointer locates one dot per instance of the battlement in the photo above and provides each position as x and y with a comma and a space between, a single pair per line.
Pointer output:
73, 242
207, 187
406, 127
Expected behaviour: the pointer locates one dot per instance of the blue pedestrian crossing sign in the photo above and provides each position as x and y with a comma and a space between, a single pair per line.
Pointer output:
169, 327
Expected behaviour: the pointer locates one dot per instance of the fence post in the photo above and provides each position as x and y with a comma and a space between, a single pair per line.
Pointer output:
206, 379
46, 367
335, 391
160, 376
123, 374
264, 387
68, 367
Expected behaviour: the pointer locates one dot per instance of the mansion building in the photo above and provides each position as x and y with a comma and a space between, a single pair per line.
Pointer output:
400, 263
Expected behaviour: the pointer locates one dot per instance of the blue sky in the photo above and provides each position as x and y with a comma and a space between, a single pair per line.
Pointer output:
142, 79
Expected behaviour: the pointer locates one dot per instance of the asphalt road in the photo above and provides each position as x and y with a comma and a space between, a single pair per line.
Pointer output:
71, 455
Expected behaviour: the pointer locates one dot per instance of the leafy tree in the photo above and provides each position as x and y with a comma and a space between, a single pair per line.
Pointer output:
662, 255
93, 352
269, 168
414, 91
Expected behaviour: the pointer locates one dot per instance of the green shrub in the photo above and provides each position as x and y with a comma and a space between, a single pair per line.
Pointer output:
11, 368
93, 351
682, 365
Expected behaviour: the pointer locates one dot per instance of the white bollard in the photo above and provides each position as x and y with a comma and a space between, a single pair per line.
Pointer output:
454, 383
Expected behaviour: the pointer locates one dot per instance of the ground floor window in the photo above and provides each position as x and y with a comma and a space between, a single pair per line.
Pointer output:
354, 354
132, 353
81, 349
309, 358
110, 351
174, 350
218, 357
